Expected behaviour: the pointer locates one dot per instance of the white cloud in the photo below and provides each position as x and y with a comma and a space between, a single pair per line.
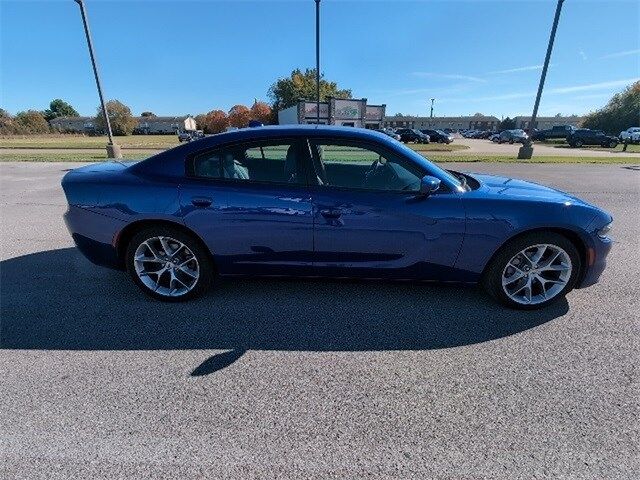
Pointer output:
593, 86
449, 76
626, 53
582, 54
548, 91
518, 69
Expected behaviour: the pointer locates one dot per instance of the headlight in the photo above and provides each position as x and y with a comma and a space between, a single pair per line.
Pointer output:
604, 231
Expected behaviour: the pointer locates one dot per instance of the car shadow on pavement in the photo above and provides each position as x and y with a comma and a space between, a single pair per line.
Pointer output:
57, 300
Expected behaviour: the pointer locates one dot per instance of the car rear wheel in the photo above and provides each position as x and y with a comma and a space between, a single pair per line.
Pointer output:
577, 143
533, 271
168, 264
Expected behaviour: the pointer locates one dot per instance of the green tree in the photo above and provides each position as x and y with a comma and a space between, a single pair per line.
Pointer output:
148, 114
120, 117
59, 108
286, 91
622, 112
507, 124
31, 121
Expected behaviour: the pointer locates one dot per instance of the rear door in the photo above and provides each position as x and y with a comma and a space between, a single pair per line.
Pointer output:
369, 222
251, 205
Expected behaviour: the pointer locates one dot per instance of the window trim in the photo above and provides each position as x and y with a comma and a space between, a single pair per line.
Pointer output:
348, 142
253, 143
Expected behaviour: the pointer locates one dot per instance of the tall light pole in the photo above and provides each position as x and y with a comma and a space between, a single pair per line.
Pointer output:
318, 61
113, 150
526, 151
432, 100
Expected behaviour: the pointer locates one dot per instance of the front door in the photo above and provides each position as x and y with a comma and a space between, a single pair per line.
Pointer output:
370, 222
250, 204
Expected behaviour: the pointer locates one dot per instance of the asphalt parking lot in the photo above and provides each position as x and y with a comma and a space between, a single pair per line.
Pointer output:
311, 379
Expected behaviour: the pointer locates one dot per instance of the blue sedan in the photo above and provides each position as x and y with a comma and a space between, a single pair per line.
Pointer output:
321, 201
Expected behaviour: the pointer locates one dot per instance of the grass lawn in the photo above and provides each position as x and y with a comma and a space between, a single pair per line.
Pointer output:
437, 147
82, 141
62, 156
536, 159
561, 143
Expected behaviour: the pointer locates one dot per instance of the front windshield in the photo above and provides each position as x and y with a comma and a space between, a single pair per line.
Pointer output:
431, 167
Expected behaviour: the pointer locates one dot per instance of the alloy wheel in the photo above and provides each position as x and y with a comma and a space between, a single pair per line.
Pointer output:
166, 266
536, 274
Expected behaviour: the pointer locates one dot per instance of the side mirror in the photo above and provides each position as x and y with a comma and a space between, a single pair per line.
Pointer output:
428, 185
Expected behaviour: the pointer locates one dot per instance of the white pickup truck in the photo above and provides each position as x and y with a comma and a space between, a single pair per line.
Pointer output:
631, 135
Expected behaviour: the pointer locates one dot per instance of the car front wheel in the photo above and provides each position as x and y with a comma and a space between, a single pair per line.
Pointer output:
533, 271
168, 264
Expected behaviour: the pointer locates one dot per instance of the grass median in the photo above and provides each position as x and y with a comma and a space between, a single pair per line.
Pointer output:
62, 156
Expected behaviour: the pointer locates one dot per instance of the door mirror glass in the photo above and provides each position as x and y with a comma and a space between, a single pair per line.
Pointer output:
429, 185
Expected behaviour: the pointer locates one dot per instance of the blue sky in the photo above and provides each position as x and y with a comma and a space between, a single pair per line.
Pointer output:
178, 57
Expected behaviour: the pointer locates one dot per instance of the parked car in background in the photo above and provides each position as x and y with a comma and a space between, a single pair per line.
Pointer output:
513, 136
495, 137
585, 136
325, 201
412, 135
389, 132
190, 135
630, 135
438, 136
557, 131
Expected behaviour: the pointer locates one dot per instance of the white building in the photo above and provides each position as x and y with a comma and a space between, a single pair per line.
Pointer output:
476, 122
146, 125
543, 123
337, 111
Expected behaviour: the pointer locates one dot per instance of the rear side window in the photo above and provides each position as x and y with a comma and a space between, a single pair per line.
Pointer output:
267, 161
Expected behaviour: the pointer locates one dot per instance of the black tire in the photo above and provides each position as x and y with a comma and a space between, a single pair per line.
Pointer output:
577, 143
511, 141
613, 144
492, 276
200, 252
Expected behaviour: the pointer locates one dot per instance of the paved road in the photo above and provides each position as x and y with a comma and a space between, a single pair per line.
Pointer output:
312, 379
486, 147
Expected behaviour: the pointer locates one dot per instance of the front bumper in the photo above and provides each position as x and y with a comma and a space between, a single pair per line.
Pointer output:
596, 261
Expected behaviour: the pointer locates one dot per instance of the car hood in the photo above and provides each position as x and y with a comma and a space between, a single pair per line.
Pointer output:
514, 188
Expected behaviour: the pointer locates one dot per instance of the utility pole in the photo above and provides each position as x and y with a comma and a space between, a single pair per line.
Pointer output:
113, 150
432, 100
318, 61
526, 151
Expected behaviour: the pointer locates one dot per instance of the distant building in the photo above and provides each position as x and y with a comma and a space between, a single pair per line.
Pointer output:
336, 111
476, 122
543, 123
155, 125
73, 124
146, 125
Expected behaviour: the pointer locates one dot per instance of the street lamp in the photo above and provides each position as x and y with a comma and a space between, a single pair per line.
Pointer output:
317, 61
113, 150
432, 100
526, 150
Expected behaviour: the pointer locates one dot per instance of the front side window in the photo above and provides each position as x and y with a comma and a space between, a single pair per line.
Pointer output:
267, 161
353, 166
